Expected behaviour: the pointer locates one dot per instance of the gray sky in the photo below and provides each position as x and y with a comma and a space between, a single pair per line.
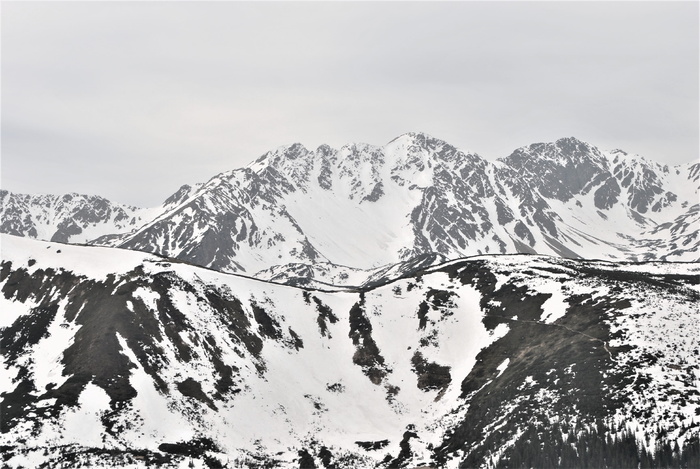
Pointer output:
132, 100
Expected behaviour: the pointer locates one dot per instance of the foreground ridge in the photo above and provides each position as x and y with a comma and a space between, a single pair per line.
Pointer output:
115, 357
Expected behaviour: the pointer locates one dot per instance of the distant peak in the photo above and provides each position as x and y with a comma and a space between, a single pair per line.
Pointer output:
564, 151
421, 135
415, 136
572, 145
179, 196
571, 140
292, 151
295, 150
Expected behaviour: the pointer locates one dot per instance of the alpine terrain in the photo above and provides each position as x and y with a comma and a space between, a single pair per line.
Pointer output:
411, 305
334, 215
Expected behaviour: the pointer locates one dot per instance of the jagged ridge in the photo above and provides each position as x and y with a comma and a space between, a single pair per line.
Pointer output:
335, 215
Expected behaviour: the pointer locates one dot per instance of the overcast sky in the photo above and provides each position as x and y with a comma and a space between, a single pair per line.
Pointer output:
132, 100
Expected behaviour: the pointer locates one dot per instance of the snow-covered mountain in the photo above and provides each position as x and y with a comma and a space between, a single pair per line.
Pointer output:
361, 307
71, 217
74, 218
364, 206
119, 358
337, 215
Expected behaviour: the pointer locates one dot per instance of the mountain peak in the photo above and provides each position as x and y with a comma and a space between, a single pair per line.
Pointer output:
179, 196
420, 139
324, 149
417, 143
295, 150
564, 151
571, 141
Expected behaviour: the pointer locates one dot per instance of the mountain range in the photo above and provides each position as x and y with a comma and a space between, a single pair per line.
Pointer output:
410, 305
334, 216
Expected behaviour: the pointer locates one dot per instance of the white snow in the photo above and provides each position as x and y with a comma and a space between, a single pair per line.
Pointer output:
83, 425
502, 367
94, 262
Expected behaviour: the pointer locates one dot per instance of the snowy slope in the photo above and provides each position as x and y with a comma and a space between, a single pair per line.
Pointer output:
114, 358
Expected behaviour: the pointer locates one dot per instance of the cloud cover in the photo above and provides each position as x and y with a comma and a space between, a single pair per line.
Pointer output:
130, 100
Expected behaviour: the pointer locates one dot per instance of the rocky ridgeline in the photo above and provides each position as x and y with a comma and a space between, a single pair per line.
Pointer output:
335, 215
